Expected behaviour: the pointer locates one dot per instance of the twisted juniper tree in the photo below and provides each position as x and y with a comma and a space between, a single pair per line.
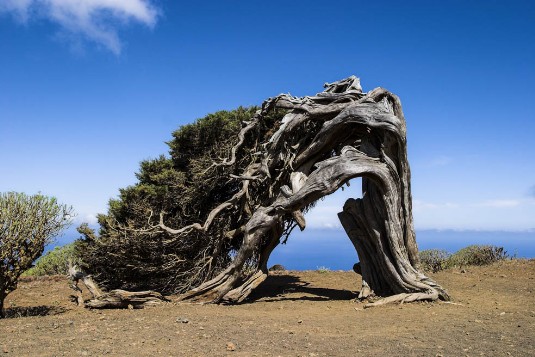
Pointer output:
255, 186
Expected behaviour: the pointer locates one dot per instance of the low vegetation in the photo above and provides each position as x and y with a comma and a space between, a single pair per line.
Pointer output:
27, 225
55, 262
436, 259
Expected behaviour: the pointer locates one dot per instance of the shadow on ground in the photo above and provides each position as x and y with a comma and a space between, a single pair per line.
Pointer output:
26, 311
285, 288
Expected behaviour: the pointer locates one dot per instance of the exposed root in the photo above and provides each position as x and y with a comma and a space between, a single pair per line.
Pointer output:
405, 297
213, 290
242, 292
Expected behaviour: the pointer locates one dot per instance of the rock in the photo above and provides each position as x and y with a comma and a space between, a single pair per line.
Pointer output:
231, 346
357, 269
277, 267
182, 320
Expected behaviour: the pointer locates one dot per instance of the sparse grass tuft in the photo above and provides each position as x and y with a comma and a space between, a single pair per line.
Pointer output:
323, 270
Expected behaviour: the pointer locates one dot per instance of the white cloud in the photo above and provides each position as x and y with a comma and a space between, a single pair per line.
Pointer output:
88, 218
93, 20
500, 203
440, 161
324, 216
418, 205
19, 8
509, 214
500, 214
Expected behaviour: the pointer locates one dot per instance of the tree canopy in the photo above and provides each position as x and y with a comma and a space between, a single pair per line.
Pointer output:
186, 187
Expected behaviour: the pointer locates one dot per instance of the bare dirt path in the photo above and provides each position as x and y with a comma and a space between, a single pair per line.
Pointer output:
293, 314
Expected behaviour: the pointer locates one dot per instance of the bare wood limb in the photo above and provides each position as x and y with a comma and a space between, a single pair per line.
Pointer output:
113, 299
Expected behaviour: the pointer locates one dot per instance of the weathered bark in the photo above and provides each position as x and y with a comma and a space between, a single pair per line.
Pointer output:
120, 299
322, 142
113, 299
2, 298
371, 129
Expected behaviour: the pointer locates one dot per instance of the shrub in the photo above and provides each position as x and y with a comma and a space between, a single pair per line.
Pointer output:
434, 259
55, 262
323, 270
437, 259
27, 224
477, 255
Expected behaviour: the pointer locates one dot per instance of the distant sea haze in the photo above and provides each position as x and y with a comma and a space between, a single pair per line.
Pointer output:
332, 249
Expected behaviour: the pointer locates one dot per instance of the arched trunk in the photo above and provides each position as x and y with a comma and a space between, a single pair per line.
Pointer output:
322, 143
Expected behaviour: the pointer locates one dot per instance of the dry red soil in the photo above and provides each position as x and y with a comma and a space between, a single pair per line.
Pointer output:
292, 314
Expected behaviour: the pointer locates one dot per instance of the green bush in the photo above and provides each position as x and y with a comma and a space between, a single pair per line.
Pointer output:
477, 255
434, 259
55, 262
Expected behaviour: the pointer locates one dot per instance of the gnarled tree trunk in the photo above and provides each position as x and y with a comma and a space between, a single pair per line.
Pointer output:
358, 135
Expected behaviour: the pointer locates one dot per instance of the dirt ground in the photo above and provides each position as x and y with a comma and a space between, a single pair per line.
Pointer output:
293, 314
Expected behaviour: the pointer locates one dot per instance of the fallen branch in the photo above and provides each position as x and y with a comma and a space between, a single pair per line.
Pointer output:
115, 299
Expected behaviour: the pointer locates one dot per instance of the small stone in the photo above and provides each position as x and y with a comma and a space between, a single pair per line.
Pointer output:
463, 271
300, 321
201, 328
231, 346
130, 307
4, 349
182, 320
502, 313
277, 267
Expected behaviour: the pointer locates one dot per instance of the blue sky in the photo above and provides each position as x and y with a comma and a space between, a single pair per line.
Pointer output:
89, 88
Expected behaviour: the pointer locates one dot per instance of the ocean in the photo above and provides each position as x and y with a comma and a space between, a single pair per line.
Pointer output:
332, 249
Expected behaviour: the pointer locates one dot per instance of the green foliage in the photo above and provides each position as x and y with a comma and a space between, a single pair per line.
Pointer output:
55, 262
185, 187
477, 255
27, 224
435, 260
